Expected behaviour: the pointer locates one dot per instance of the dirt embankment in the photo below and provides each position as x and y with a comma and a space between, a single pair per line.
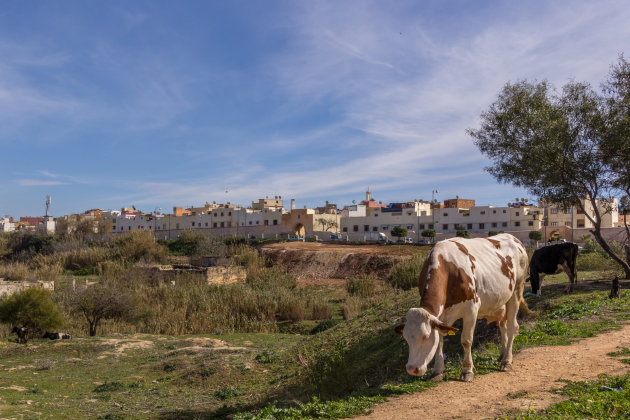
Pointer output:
324, 261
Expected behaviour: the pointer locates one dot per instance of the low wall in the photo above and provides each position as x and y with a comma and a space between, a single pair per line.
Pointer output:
7, 288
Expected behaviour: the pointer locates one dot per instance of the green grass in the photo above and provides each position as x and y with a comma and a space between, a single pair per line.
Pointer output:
606, 398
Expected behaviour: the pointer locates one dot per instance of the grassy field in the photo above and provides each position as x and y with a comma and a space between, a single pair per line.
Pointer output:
337, 364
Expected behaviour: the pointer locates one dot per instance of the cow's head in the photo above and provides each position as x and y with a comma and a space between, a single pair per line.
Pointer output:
421, 332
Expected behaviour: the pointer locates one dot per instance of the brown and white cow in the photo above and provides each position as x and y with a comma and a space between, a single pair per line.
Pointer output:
469, 279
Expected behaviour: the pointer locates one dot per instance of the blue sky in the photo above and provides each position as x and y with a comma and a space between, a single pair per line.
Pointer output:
159, 103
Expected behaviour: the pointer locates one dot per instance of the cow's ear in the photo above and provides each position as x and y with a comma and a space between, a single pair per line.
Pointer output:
399, 328
443, 327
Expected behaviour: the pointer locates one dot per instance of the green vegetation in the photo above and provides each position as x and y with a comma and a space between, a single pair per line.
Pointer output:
405, 274
32, 308
399, 232
462, 233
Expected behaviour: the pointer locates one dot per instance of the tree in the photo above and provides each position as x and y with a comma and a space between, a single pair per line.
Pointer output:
553, 145
535, 235
101, 301
399, 232
462, 233
32, 308
428, 233
327, 223
494, 232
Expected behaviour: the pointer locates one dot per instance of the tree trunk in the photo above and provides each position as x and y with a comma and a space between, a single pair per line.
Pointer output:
627, 249
92, 329
600, 240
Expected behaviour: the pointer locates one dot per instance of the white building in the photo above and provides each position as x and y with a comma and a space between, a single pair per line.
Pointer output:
6, 225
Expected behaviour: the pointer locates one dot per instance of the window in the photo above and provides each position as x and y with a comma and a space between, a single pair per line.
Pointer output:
214, 224
494, 224
482, 225
375, 228
366, 228
375, 214
221, 214
222, 224
567, 223
504, 211
229, 213
483, 212
469, 225
530, 223
517, 223
164, 226
250, 222
517, 213
409, 227
193, 223
567, 211
421, 226
408, 213
355, 228
384, 227
431, 226
554, 211
504, 224
345, 229
266, 222
444, 227
554, 223
494, 212
206, 224
445, 214
257, 222
275, 222
229, 224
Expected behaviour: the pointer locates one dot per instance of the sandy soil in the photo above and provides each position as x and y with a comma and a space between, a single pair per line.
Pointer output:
535, 372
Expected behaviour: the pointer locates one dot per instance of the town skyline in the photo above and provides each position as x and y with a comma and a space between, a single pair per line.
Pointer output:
157, 104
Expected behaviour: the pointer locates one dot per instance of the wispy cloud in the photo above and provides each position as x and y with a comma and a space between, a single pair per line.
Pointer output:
39, 182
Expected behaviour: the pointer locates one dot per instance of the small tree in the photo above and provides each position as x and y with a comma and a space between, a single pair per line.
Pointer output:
399, 232
462, 233
32, 308
494, 232
535, 235
101, 301
428, 233
326, 223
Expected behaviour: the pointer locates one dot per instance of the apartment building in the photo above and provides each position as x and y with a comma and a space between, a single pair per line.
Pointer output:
573, 217
6, 224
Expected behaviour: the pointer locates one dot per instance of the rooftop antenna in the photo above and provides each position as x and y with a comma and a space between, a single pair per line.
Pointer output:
47, 205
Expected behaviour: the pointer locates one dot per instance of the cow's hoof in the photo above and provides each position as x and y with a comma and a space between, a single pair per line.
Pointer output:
466, 376
506, 366
436, 377
500, 359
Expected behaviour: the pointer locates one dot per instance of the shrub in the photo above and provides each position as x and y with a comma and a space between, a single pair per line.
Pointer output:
137, 245
321, 310
462, 233
246, 256
494, 232
260, 277
406, 274
15, 271
363, 286
49, 273
352, 307
32, 308
291, 308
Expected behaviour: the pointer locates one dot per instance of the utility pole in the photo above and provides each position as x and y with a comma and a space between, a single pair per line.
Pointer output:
433, 192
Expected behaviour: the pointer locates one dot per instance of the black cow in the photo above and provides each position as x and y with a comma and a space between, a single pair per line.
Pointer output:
553, 259
22, 334
57, 336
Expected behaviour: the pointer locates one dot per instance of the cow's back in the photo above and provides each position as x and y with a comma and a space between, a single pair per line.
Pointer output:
496, 266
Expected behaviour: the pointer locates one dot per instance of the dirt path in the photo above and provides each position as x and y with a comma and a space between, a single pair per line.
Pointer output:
535, 373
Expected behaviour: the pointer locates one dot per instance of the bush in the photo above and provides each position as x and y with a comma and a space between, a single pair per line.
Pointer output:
15, 271
462, 233
291, 308
406, 274
246, 256
494, 232
363, 286
32, 308
321, 310
140, 244
260, 277
352, 307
